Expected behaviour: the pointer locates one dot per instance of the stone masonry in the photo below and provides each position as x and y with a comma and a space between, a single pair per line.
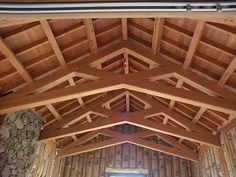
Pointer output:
18, 136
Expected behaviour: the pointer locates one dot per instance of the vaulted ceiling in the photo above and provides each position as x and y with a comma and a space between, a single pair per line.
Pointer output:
173, 78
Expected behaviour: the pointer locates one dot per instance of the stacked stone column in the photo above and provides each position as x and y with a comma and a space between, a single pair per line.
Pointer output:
18, 137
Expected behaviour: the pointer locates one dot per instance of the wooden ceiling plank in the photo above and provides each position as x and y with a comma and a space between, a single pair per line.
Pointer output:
228, 72
205, 41
48, 32
10, 55
157, 35
124, 23
108, 29
194, 43
91, 35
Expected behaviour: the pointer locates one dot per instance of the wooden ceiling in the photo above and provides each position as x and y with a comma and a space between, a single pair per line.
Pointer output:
173, 77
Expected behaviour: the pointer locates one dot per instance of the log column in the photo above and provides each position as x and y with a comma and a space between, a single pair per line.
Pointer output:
18, 138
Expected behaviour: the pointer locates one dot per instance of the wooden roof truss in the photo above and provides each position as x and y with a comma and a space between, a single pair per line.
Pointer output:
125, 83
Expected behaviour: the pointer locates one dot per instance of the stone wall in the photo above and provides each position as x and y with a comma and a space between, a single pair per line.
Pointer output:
18, 136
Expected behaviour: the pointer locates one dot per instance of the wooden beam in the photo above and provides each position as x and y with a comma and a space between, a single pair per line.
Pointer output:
127, 98
174, 116
124, 23
62, 75
53, 110
199, 114
225, 17
228, 72
48, 32
126, 64
85, 138
157, 35
120, 139
184, 96
188, 76
8, 22
81, 128
91, 35
78, 90
172, 102
177, 132
130, 82
136, 119
10, 55
230, 126
164, 149
91, 147
194, 43
168, 139
77, 115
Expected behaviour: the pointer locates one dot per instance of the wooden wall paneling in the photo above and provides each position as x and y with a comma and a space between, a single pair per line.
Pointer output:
68, 166
83, 163
189, 169
228, 155
118, 154
176, 165
183, 168
103, 163
219, 162
146, 158
162, 164
73, 166
154, 162
125, 149
140, 163
169, 166
218, 165
133, 151
195, 169
90, 163
56, 167
61, 170
80, 165
96, 161
111, 156
93, 163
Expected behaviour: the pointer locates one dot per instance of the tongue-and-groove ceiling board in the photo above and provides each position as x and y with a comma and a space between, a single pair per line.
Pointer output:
173, 78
